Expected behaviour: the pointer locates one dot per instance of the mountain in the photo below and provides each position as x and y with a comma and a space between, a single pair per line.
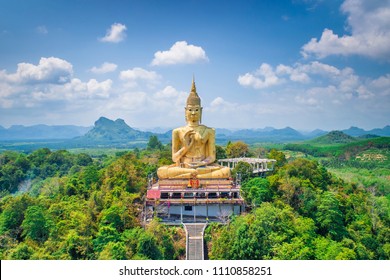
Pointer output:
333, 137
315, 133
381, 131
267, 134
40, 132
356, 131
109, 131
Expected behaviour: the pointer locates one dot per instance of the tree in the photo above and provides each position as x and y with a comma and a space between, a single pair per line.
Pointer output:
114, 251
279, 156
36, 224
83, 159
21, 252
91, 175
237, 149
113, 217
147, 246
271, 231
105, 235
220, 152
78, 247
244, 169
13, 215
256, 191
329, 216
154, 143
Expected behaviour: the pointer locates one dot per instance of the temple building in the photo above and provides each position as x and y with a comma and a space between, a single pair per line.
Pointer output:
195, 188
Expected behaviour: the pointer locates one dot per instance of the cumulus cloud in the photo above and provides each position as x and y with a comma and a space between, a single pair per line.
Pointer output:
49, 70
317, 84
135, 75
262, 78
106, 67
169, 99
180, 53
115, 34
51, 80
369, 25
221, 105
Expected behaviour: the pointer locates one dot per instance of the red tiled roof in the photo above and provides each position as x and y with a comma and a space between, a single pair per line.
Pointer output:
153, 194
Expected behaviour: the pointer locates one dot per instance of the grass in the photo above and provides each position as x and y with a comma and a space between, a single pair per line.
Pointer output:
362, 162
377, 179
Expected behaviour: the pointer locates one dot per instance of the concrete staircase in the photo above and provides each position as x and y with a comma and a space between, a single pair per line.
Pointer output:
194, 242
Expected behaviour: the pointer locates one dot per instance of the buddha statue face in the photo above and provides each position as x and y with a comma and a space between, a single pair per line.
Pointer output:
193, 114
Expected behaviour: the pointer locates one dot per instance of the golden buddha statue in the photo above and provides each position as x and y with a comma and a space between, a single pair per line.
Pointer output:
193, 147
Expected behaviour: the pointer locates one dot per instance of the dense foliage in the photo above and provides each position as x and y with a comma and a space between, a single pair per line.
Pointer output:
63, 205
303, 212
80, 208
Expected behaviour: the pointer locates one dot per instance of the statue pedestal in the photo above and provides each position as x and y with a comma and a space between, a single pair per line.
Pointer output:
190, 200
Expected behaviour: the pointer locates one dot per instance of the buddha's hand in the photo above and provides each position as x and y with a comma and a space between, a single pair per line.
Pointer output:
189, 139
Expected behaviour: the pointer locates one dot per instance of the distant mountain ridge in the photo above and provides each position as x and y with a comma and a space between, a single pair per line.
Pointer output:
109, 132
41, 131
356, 131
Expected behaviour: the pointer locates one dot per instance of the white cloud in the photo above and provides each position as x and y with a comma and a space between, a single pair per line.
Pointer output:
115, 34
133, 76
217, 102
106, 67
180, 53
221, 105
310, 101
262, 78
128, 101
169, 99
49, 70
169, 92
296, 74
322, 89
382, 82
369, 24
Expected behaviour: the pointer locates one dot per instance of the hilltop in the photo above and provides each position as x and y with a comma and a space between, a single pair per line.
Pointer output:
117, 131
339, 144
333, 137
109, 133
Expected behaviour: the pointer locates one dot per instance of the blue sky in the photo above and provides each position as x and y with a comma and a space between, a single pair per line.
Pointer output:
306, 64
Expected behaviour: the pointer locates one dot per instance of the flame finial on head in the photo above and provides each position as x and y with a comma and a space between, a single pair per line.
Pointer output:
193, 97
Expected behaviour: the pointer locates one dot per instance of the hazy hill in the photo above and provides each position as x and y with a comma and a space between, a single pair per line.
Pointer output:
333, 137
110, 132
267, 134
340, 145
356, 131
41, 131
117, 133
381, 131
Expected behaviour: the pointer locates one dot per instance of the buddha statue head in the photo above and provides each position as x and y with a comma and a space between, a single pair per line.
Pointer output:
193, 109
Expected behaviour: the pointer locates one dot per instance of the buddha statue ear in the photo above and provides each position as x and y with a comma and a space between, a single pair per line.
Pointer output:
200, 114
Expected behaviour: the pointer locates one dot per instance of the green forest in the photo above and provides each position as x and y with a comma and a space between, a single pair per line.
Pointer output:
72, 205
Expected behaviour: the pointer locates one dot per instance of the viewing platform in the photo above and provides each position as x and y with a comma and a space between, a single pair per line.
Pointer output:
259, 165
